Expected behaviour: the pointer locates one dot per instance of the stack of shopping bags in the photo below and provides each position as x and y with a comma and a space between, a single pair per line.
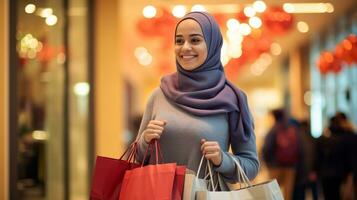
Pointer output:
123, 179
109, 173
151, 182
268, 190
126, 180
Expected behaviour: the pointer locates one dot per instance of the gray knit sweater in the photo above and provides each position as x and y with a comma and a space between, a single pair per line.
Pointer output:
180, 141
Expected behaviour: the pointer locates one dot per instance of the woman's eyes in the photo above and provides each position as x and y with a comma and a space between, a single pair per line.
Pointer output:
179, 41
193, 40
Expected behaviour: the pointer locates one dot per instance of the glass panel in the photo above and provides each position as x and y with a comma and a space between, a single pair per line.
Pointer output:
78, 91
40, 81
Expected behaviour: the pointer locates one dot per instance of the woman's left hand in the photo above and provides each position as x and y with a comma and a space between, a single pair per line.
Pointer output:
212, 151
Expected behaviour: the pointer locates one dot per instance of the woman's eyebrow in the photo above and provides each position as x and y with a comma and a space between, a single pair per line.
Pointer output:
194, 34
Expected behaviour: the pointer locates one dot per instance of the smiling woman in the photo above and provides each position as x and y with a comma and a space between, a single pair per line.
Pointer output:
198, 93
190, 45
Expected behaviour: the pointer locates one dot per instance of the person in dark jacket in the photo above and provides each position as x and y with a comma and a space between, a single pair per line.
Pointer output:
332, 162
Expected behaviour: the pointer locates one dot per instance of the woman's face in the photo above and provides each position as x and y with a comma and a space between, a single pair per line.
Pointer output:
190, 45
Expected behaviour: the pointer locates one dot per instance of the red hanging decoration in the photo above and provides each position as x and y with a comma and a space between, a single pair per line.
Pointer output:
353, 52
277, 21
162, 25
329, 62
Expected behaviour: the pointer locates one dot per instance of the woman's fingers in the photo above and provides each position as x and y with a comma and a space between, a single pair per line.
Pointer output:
212, 155
154, 136
212, 151
158, 122
153, 126
154, 130
210, 145
150, 135
149, 130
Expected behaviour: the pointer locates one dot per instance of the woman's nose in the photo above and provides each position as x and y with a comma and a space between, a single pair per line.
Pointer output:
186, 46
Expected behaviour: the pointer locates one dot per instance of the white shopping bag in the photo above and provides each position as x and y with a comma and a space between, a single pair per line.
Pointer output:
268, 190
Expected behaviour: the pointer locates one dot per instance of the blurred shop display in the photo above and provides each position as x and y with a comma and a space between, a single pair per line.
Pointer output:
249, 32
344, 54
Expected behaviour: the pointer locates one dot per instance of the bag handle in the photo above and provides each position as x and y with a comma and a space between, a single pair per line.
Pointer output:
209, 172
242, 177
132, 149
158, 150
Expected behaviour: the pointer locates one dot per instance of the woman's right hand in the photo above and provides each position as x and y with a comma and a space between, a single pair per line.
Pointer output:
154, 130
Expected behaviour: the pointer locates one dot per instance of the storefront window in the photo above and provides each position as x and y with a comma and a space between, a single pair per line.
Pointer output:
52, 97
334, 91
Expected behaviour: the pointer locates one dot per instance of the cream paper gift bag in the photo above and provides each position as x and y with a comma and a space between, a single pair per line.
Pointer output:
193, 183
263, 191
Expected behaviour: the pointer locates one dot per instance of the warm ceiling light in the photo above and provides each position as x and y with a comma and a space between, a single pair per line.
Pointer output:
179, 11
149, 11
30, 8
235, 51
275, 49
140, 52
303, 27
307, 98
259, 6
45, 12
234, 36
198, 7
255, 22
329, 8
51, 20
308, 7
249, 11
224, 53
146, 61
143, 56
39, 135
81, 89
224, 8
244, 29
232, 24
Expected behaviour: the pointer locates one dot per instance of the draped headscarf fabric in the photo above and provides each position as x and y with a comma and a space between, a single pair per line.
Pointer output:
205, 90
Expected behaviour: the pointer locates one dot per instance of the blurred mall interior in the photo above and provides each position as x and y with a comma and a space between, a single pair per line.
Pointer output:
76, 74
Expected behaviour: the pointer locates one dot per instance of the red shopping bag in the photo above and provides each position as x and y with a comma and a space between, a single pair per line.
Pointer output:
109, 173
177, 191
151, 182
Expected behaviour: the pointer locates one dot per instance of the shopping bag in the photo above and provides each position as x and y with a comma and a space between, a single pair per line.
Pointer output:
268, 190
263, 191
193, 183
179, 179
151, 182
188, 190
109, 173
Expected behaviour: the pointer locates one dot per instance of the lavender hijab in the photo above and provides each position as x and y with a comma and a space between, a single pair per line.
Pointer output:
205, 90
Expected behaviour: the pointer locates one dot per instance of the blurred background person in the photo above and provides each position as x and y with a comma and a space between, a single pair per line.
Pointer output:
282, 151
331, 160
305, 177
348, 131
